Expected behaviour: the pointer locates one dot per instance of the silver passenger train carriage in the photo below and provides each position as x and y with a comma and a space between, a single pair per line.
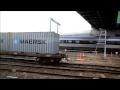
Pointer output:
88, 42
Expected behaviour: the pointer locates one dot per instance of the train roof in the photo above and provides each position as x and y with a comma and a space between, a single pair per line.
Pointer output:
88, 37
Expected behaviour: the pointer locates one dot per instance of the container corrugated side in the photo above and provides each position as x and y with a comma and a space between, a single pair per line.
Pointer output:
35, 42
56, 40
4, 42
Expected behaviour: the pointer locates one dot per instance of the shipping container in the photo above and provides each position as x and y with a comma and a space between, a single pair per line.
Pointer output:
30, 42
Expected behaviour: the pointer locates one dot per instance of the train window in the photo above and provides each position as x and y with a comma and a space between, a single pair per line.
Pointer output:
117, 42
69, 41
108, 42
84, 42
95, 42
91, 42
113, 42
73, 41
77, 41
62, 41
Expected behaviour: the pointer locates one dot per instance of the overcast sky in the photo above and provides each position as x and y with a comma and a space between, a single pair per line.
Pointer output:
38, 21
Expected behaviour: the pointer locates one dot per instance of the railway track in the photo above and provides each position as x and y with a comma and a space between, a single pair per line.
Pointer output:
33, 61
88, 66
62, 70
39, 70
69, 68
101, 68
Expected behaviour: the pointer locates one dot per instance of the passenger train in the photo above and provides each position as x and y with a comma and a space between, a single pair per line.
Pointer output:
88, 42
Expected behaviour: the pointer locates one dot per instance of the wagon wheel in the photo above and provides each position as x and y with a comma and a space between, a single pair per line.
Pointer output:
52, 61
48, 60
56, 61
44, 60
38, 60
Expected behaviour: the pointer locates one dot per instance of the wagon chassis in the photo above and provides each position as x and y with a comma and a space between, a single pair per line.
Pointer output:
40, 58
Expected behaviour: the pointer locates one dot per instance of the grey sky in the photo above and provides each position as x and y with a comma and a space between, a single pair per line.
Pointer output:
38, 21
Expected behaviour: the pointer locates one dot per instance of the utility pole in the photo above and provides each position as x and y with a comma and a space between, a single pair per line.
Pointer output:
51, 19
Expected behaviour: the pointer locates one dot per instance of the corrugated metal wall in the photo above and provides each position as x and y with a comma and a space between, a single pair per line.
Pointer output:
4, 42
35, 42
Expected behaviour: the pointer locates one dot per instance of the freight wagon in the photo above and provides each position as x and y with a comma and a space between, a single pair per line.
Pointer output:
42, 45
